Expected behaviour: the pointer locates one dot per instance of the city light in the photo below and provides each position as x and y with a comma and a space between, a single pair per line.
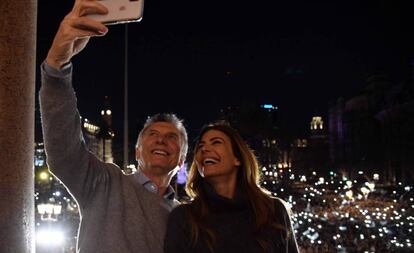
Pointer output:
335, 214
50, 237
49, 211
44, 175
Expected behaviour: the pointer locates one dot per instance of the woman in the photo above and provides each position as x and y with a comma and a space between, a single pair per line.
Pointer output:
229, 211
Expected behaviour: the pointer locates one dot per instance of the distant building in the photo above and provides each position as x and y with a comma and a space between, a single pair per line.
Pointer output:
373, 131
258, 125
298, 156
318, 146
396, 133
311, 153
99, 137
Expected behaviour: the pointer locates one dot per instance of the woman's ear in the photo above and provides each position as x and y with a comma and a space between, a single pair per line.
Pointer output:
237, 162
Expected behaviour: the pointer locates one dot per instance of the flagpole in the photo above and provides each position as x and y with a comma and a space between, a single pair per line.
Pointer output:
125, 151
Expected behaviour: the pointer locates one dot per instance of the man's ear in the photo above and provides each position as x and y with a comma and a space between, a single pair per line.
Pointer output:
137, 154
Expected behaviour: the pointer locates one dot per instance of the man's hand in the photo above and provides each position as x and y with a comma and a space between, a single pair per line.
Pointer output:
74, 32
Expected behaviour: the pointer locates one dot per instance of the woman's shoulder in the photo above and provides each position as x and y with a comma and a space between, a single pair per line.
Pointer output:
178, 217
279, 202
180, 210
282, 207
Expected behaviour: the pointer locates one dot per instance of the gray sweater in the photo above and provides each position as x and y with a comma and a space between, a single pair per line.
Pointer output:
117, 213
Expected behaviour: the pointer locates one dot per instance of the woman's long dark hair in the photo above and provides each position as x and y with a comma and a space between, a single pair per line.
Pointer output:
264, 213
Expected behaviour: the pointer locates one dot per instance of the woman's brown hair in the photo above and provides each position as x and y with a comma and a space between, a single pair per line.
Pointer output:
262, 205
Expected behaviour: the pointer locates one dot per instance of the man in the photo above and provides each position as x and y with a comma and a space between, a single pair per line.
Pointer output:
119, 213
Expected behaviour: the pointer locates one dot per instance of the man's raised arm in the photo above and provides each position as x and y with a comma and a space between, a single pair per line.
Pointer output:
67, 155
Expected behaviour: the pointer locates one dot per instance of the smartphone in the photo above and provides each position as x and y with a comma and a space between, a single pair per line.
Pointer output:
120, 11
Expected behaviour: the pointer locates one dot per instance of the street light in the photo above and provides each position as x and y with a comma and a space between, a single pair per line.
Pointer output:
49, 211
44, 176
49, 237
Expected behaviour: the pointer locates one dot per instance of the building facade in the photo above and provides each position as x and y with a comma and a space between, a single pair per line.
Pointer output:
373, 131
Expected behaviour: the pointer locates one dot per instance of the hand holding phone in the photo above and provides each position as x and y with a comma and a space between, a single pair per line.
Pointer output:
120, 11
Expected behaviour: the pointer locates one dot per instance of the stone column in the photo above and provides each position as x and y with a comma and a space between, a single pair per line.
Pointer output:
17, 93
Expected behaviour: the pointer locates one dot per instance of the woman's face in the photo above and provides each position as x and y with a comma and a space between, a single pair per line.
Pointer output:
215, 158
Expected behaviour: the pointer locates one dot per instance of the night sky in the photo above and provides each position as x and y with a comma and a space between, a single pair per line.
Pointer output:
195, 57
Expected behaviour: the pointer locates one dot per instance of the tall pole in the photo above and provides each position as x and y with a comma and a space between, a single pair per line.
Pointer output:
17, 98
126, 100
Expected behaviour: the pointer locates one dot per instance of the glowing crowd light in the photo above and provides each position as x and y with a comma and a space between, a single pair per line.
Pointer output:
349, 215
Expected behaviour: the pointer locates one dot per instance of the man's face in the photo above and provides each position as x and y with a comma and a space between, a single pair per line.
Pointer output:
159, 150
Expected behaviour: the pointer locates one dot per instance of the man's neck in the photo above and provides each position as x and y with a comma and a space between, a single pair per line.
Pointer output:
161, 181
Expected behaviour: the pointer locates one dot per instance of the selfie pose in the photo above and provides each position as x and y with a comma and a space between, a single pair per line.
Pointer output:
229, 212
119, 213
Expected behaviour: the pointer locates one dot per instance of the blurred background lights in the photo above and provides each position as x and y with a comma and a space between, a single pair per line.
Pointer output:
49, 237
44, 175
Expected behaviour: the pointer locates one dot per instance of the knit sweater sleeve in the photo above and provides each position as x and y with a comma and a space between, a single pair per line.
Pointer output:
177, 237
66, 152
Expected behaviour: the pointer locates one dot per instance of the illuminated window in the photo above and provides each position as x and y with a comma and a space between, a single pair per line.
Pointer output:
316, 123
39, 161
